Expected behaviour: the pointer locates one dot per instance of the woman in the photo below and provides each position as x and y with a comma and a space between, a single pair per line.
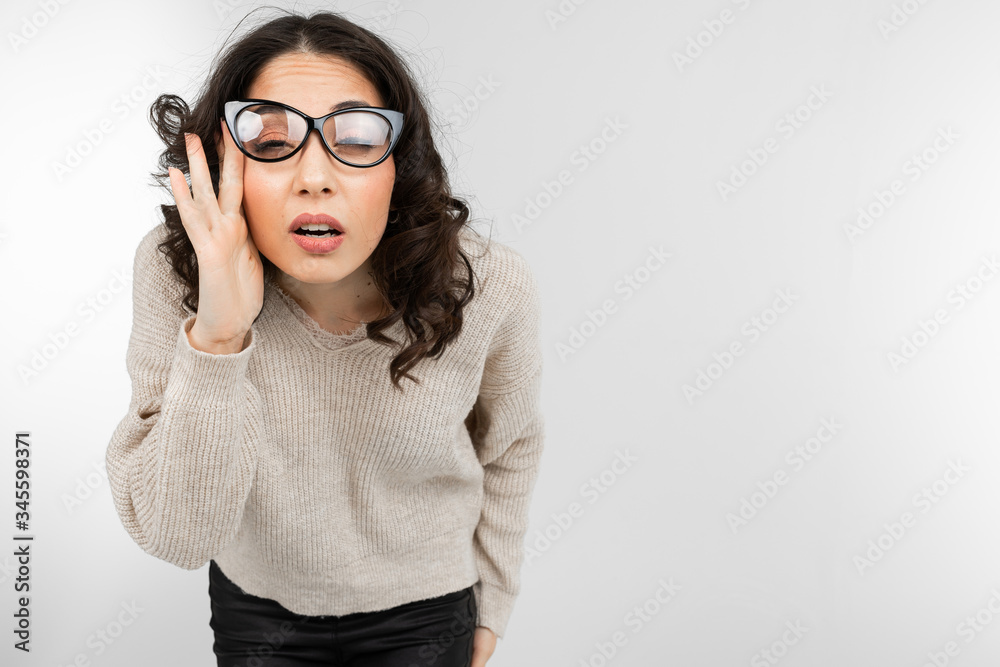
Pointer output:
350, 511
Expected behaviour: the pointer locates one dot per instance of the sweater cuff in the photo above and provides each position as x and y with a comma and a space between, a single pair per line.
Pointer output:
200, 378
493, 607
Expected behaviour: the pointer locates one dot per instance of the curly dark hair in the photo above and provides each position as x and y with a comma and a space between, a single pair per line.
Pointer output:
416, 264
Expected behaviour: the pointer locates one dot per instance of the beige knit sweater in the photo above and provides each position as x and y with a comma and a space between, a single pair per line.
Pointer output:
307, 477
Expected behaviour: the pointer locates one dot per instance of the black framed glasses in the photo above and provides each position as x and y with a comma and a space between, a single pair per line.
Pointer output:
269, 131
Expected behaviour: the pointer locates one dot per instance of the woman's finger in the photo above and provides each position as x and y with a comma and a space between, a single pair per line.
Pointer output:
484, 642
231, 184
193, 223
201, 180
179, 187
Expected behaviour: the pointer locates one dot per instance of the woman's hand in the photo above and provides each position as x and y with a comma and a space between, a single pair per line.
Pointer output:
230, 273
483, 644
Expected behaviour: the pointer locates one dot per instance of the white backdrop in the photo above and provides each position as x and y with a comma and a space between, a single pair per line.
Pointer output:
766, 236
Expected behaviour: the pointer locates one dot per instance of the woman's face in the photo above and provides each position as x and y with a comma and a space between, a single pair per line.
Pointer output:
312, 180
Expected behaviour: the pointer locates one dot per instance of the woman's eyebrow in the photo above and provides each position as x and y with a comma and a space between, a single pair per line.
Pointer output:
349, 103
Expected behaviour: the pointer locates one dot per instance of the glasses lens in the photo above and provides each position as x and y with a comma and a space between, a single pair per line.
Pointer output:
269, 131
359, 137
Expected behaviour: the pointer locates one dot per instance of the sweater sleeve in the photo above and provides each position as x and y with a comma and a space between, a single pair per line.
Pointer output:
181, 462
507, 430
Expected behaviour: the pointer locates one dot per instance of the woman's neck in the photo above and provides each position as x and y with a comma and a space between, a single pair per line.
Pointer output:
339, 306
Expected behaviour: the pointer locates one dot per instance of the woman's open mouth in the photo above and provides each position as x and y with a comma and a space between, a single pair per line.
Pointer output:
318, 241
317, 231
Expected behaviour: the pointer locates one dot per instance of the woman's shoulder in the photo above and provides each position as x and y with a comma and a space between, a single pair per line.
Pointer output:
508, 299
497, 265
152, 270
147, 254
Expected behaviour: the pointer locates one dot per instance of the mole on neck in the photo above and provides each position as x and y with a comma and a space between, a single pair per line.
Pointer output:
336, 307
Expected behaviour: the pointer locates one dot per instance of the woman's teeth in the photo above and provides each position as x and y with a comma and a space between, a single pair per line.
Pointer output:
321, 231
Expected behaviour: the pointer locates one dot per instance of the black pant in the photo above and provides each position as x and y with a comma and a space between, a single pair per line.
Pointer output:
251, 631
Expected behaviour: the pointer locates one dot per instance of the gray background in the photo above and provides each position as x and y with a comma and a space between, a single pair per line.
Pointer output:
890, 91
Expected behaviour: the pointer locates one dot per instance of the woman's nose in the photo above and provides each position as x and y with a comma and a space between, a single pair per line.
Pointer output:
317, 169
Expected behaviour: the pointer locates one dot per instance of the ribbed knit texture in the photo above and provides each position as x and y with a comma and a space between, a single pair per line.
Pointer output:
307, 477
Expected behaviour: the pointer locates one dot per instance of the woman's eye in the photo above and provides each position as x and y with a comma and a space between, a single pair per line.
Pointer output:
353, 141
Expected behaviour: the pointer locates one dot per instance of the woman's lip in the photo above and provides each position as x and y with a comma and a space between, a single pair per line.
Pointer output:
315, 219
318, 246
